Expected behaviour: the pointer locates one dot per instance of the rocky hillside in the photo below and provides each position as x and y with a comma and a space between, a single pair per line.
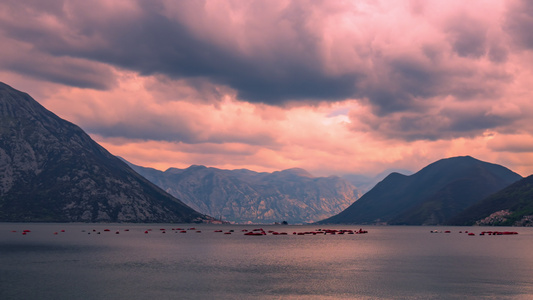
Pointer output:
512, 206
244, 196
431, 196
51, 171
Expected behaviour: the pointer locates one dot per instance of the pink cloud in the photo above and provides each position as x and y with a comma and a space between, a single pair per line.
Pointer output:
333, 87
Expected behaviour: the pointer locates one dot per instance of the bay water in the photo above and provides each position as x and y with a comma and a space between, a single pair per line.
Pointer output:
177, 261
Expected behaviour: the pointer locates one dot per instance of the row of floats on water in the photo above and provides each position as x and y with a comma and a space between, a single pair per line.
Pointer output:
260, 232
253, 232
482, 233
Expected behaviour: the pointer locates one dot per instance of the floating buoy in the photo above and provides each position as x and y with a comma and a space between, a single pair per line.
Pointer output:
253, 233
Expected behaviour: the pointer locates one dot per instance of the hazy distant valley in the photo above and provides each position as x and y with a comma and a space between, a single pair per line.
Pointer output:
244, 196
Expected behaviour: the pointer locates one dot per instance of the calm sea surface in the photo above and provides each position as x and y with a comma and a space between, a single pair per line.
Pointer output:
386, 263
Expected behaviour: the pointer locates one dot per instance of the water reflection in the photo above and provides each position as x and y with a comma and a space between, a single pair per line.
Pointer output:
388, 262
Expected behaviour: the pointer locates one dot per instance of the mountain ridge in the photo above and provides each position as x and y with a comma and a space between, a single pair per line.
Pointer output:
511, 206
406, 200
242, 195
52, 171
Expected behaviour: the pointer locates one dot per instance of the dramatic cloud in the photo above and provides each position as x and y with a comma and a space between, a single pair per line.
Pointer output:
518, 22
330, 86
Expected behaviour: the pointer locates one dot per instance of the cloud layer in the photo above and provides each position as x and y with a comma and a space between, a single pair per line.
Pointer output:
333, 87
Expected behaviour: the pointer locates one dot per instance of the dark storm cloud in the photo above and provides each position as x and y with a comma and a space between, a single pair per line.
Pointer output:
145, 130
447, 123
273, 56
409, 83
151, 43
64, 71
175, 129
519, 21
22, 50
468, 36
406, 80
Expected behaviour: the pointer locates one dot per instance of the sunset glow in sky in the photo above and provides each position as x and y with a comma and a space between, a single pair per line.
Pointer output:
333, 87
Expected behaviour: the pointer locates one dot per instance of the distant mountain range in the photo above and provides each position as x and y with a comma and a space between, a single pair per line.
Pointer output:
51, 171
434, 195
244, 196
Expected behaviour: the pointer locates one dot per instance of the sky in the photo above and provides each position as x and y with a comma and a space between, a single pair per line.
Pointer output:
334, 87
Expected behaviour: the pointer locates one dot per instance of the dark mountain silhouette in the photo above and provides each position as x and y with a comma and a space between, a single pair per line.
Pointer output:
431, 196
365, 183
512, 206
243, 196
51, 171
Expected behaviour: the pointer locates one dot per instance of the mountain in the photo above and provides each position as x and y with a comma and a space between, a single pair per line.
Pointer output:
365, 183
431, 196
512, 206
51, 171
244, 196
